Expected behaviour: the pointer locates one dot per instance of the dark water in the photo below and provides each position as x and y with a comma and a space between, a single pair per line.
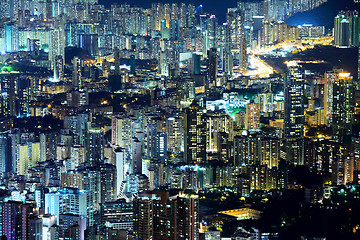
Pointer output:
324, 15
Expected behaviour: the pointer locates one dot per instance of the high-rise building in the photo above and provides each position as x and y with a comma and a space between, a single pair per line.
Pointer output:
346, 29
235, 20
76, 74
256, 150
72, 180
71, 200
94, 146
243, 60
27, 157
343, 107
196, 64
252, 117
132, 64
11, 38
294, 114
117, 214
6, 164
339, 103
194, 134
121, 169
191, 20
212, 68
59, 68
216, 124
108, 175
89, 42
8, 95
16, 220
333, 158
358, 82
211, 29
36, 228
57, 49
72, 226
121, 131
182, 15
77, 124
160, 216
342, 31
174, 30
227, 57
175, 134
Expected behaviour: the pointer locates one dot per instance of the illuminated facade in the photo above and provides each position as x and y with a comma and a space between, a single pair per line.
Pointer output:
194, 134
70, 200
343, 107
160, 216
294, 114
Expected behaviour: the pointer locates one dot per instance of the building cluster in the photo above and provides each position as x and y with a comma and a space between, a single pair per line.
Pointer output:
117, 142
165, 32
347, 29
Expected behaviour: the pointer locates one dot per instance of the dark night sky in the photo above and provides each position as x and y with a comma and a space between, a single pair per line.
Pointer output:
324, 15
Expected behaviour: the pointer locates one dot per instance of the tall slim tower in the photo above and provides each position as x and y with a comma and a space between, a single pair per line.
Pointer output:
358, 83
157, 215
211, 32
195, 134
341, 30
11, 38
242, 55
212, 68
227, 57
294, 114
343, 107
76, 74
235, 19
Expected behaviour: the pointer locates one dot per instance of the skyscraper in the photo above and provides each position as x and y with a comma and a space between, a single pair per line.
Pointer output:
5, 155
294, 114
174, 30
343, 107
243, 61
355, 29
235, 19
76, 74
121, 169
358, 82
95, 146
8, 83
211, 32
346, 29
195, 134
11, 38
121, 131
196, 64
16, 220
339, 103
71, 200
72, 226
252, 120
212, 68
227, 57
160, 216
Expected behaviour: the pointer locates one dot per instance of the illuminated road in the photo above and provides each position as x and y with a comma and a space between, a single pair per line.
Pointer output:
301, 45
261, 68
